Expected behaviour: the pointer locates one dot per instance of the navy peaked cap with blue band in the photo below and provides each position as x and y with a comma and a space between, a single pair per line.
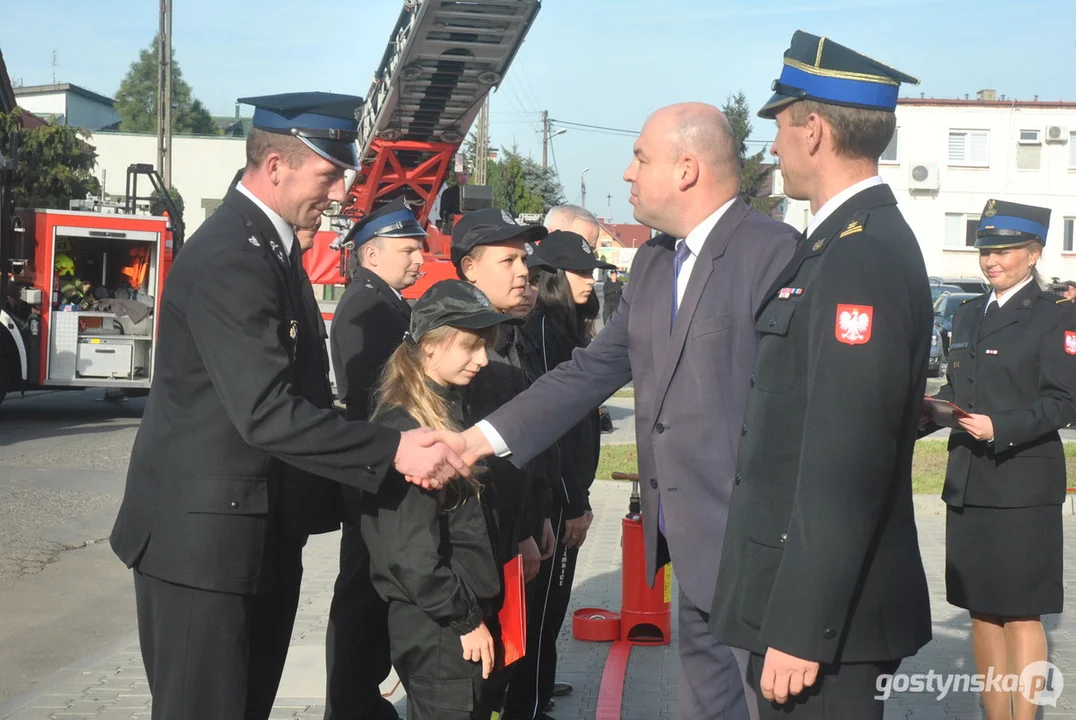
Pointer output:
1008, 224
327, 123
816, 68
393, 219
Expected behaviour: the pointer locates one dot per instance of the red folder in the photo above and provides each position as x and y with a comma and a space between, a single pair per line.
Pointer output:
944, 412
513, 614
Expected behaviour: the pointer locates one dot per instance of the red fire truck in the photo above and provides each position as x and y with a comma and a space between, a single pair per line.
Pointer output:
91, 324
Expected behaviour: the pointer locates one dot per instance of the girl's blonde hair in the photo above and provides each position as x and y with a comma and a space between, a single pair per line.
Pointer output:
403, 384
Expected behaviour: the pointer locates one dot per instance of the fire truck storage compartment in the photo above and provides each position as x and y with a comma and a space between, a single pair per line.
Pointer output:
94, 344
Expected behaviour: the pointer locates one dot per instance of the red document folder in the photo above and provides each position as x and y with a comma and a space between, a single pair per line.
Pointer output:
513, 614
944, 412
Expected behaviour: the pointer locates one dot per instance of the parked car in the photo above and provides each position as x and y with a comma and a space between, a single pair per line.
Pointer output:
937, 290
935, 360
966, 284
944, 307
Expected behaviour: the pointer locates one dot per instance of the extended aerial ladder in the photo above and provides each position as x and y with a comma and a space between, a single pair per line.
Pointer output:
442, 60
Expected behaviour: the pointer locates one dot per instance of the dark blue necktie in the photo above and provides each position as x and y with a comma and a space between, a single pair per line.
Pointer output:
682, 254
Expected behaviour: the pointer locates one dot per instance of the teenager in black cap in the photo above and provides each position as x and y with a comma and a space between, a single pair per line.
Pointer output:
1012, 366
431, 553
369, 324
556, 327
490, 250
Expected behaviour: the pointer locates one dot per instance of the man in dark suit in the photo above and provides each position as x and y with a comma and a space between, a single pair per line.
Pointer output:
206, 520
821, 577
684, 331
368, 325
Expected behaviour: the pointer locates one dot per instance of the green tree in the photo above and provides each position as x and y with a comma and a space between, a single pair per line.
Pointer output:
136, 100
542, 182
157, 205
510, 189
754, 167
55, 164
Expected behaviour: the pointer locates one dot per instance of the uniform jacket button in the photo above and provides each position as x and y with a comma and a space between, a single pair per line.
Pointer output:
234, 504
829, 634
752, 381
784, 536
773, 322
654, 483
659, 428
971, 405
737, 479
743, 430
971, 380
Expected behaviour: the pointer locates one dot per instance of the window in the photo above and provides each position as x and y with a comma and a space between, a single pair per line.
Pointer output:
1028, 157
1070, 231
960, 230
890, 153
969, 148
1030, 137
1072, 150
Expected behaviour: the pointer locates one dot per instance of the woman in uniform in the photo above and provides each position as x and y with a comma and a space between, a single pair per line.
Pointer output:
1012, 368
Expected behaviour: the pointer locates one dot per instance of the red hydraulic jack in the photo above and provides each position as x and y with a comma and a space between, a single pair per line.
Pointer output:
645, 616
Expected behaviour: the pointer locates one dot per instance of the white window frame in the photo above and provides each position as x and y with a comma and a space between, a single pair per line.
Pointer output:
1068, 236
968, 134
965, 219
895, 143
1037, 140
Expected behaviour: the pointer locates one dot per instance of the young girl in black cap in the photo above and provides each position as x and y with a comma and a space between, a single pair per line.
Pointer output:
431, 552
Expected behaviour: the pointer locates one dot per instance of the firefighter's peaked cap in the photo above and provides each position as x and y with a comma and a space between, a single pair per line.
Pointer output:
65, 265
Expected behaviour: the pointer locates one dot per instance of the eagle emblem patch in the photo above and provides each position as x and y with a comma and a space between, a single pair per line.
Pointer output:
1070, 342
854, 324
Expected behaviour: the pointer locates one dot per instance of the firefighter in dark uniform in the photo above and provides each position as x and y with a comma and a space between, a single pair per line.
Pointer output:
820, 576
1012, 366
207, 520
368, 325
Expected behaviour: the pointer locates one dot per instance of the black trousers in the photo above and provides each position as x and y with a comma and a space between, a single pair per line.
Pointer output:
841, 692
211, 655
357, 640
548, 596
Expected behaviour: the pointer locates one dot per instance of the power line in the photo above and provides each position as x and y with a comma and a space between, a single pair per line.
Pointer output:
595, 127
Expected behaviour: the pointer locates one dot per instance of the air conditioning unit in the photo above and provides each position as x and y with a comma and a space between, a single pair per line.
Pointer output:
1055, 134
923, 176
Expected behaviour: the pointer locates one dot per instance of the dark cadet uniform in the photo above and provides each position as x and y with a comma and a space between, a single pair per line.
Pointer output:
433, 554
368, 325
506, 375
575, 462
206, 521
1015, 364
821, 557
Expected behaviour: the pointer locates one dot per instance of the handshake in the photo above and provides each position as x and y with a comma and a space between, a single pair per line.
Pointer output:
431, 458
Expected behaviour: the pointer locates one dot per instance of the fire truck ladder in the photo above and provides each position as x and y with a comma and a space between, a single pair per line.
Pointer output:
442, 60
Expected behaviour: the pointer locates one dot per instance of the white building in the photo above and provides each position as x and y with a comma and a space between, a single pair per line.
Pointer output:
948, 157
67, 104
202, 168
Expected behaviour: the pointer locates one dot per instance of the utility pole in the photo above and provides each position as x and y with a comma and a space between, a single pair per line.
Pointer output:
545, 139
583, 186
53, 67
164, 93
481, 146
609, 210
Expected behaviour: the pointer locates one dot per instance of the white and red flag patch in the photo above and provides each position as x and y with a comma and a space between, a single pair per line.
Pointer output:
854, 324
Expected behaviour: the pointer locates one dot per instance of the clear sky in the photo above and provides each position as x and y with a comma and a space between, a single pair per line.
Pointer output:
598, 62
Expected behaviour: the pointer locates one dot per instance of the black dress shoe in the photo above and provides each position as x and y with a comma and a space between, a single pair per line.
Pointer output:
549, 706
561, 689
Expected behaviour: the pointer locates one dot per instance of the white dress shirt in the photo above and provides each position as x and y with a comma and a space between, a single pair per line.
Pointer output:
283, 228
1008, 293
840, 199
695, 240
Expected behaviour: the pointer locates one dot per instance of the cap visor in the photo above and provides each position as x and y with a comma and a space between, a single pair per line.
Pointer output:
774, 105
586, 265
526, 233
533, 261
485, 319
341, 154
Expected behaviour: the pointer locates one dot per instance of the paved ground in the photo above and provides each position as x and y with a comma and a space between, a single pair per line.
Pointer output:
67, 621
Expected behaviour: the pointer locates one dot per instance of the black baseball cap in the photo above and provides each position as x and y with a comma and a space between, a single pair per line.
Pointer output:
565, 250
489, 226
454, 303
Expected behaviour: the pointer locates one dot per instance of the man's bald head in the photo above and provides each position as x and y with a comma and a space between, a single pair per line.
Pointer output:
703, 131
686, 166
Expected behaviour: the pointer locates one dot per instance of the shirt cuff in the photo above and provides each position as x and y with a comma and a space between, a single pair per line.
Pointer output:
500, 448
